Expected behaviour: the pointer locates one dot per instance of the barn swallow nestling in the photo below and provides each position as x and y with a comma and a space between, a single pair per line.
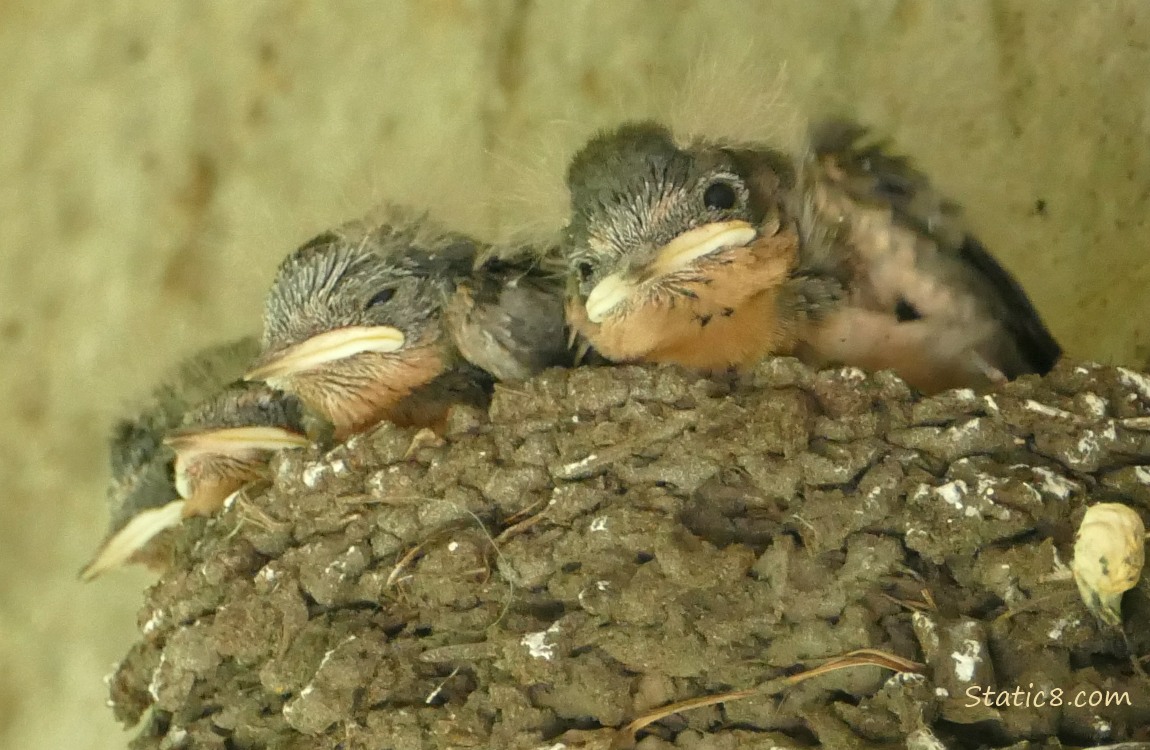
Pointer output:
161, 473
353, 324
925, 298
227, 441
685, 253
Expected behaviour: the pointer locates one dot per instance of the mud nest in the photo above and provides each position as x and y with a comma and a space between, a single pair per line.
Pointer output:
608, 541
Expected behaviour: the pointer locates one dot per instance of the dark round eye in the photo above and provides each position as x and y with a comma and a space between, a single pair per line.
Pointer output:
719, 196
381, 297
584, 269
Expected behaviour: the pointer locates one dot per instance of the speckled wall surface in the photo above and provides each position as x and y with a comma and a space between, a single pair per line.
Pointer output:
158, 158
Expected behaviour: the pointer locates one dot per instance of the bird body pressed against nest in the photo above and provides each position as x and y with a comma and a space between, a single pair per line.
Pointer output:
604, 542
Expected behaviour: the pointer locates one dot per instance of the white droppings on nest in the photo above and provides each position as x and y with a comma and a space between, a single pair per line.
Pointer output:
310, 687
153, 622
1059, 627
1136, 380
312, 473
904, 678
556, 746
991, 404
599, 524
339, 565
870, 501
1091, 443
452, 546
537, 644
1101, 727
852, 374
1142, 474
327, 654
267, 573
175, 736
986, 486
1049, 411
1055, 484
966, 659
599, 586
942, 692
963, 394
339, 466
926, 630
1033, 492
953, 493
377, 482
1096, 404
154, 683
575, 418
963, 430
913, 534
580, 464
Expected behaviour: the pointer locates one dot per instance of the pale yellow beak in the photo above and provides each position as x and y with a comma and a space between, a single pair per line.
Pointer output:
133, 537
329, 347
190, 445
676, 255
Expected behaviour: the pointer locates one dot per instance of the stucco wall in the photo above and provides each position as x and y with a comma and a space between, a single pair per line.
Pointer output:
158, 158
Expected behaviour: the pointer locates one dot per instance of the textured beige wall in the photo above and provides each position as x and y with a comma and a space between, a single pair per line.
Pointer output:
156, 159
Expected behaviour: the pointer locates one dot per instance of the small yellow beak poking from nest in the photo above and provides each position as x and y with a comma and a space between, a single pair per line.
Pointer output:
230, 441
676, 255
132, 538
192, 443
1109, 551
329, 347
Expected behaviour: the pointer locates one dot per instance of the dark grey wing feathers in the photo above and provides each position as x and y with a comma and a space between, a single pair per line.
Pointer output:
871, 175
508, 318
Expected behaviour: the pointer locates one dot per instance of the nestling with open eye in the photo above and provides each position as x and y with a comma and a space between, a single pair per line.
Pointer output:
685, 254
712, 255
925, 298
162, 474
